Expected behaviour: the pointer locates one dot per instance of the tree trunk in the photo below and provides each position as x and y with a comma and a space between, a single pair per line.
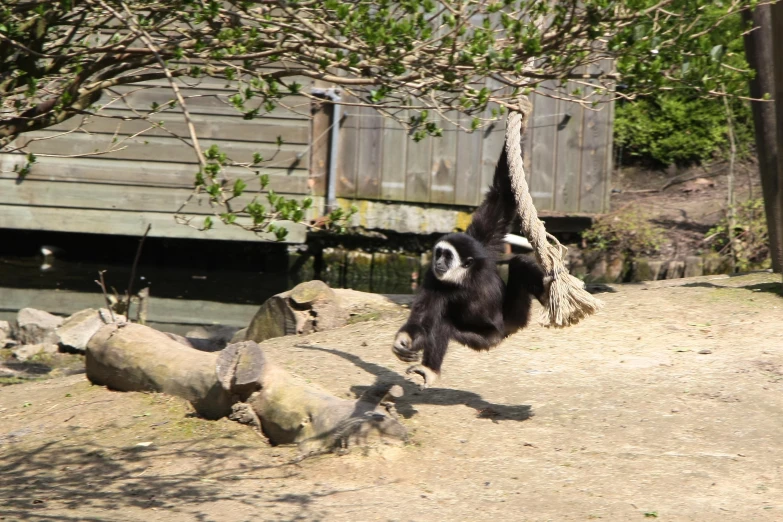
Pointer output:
759, 52
241, 382
777, 45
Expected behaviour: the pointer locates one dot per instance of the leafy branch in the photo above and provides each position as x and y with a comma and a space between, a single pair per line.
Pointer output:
415, 61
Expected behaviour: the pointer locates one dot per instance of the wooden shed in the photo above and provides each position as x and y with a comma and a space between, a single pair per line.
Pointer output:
115, 175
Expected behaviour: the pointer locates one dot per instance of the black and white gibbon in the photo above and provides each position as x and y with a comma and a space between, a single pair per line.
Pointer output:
462, 296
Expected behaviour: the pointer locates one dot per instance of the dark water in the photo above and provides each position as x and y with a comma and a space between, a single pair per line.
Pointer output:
221, 271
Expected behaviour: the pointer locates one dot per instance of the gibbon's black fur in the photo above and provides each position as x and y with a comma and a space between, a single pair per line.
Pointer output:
463, 296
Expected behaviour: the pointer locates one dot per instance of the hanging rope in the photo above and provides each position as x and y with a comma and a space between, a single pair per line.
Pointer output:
566, 301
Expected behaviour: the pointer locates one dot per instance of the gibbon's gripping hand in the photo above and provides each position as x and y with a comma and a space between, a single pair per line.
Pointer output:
404, 349
429, 376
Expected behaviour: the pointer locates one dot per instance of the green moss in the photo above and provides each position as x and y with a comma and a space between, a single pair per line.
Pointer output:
360, 318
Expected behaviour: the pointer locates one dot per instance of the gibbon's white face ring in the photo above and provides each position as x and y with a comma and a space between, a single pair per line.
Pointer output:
447, 265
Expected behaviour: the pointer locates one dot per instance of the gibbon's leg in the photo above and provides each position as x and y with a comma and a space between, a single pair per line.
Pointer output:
437, 343
525, 281
479, 341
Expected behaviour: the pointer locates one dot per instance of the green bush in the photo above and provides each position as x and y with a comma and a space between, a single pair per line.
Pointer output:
626, 232
682, 125
751, 239
669, 129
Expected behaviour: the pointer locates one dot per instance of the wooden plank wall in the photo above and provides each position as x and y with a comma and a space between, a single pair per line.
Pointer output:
568, 161
147, 177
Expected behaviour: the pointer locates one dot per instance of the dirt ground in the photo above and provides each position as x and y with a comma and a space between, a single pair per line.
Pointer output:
686, 203
667, 405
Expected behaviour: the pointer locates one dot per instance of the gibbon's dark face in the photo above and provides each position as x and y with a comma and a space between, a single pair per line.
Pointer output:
453, 257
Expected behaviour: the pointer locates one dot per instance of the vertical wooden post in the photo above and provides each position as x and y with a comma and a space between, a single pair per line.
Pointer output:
777, 51
759, 53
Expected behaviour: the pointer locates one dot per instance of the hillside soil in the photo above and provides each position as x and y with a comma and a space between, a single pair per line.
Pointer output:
686, 203
667, 405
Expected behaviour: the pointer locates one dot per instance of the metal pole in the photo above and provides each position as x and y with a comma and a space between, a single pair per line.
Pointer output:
334, 146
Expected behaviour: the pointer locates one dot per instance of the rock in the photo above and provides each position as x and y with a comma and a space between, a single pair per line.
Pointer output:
308, 307
239, 336
697, 185
615, 268
5, 332
202, 345
694, 266
715, 264
575, 262
356, 302
217, 335
26, 351
77, 329
675, 269
37, 327
645, 269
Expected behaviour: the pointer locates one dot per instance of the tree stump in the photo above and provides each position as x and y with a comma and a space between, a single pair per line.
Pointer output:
308, 307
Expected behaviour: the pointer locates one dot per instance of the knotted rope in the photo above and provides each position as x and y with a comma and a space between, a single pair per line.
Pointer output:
566, 301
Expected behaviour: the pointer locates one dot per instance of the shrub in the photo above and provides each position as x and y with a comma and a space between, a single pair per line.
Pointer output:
671, 129
751, 239
627, 231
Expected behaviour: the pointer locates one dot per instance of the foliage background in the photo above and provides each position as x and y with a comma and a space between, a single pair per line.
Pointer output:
679, 125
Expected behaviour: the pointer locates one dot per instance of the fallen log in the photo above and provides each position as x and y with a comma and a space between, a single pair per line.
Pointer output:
240, 382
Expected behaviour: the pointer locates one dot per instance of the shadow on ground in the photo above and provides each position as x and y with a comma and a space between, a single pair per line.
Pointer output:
770, 288
434, 396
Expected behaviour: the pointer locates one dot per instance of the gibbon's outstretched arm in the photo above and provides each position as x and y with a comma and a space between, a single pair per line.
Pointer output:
492, 219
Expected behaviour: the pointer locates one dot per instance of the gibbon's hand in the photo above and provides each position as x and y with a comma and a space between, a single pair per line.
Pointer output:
403, 348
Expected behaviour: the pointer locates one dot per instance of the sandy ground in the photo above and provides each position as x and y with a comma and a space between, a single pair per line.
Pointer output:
667, 405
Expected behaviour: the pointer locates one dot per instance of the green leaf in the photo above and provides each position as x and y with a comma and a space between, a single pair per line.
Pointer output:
207, 223
716, 53
239, 187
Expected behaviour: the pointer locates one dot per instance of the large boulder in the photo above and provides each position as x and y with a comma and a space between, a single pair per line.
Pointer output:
37, 327
308, 307
76, 330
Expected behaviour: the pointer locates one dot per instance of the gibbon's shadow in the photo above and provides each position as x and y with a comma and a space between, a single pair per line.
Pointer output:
769, 288
436, 396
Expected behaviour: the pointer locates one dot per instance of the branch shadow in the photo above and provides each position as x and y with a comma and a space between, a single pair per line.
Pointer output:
82, 480
433, 396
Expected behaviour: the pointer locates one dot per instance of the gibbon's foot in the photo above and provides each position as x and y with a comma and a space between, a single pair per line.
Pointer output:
429, 376
243, 413
402, 348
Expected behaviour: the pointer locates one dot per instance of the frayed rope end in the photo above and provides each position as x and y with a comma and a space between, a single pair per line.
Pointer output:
568, 302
